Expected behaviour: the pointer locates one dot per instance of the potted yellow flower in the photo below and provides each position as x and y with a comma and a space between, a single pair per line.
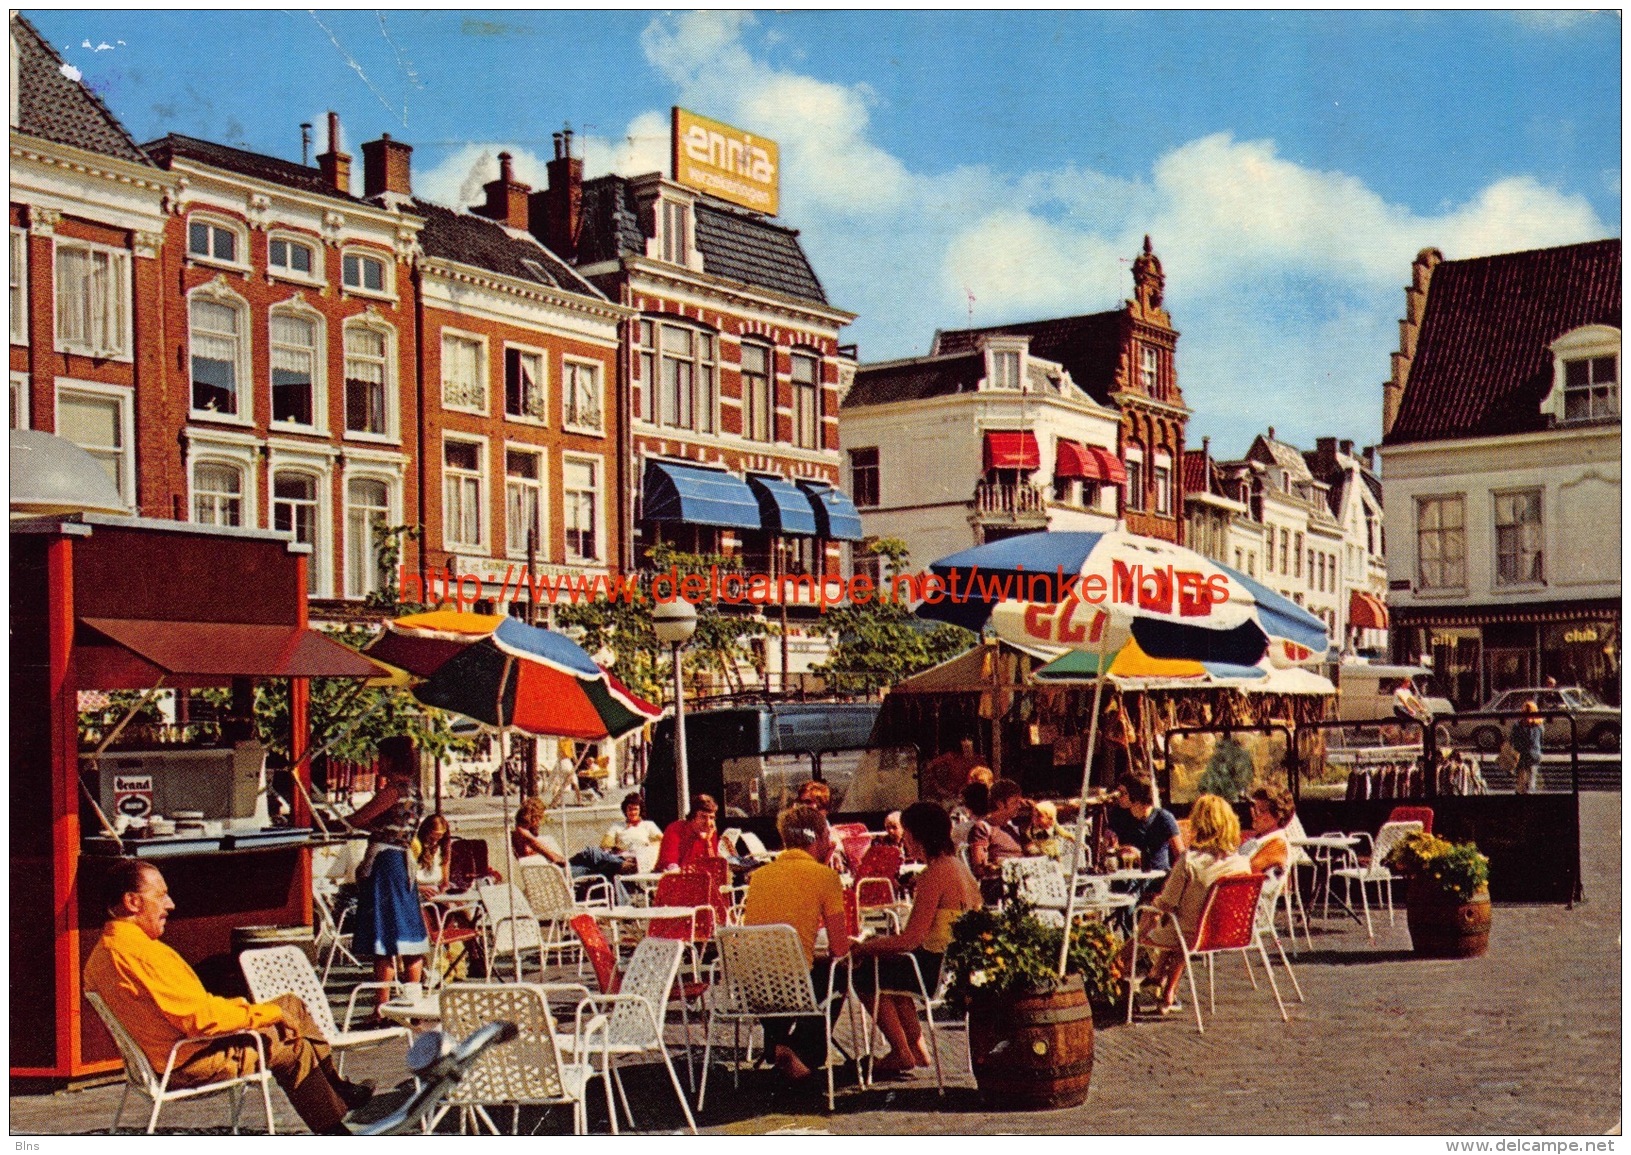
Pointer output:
1447, 904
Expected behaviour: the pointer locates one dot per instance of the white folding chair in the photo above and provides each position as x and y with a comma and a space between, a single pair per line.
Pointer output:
508, 925
285, 970
549, 893
764, 975
1267, 907
1371, 872
528, 1071
330, 943
923, 999
140, 1076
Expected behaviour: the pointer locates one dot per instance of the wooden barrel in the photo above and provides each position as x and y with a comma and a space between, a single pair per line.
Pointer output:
1034, 1053
1443, 927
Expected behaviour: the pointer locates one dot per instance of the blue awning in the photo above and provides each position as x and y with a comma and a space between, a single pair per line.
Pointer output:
782, 507
834, 512
698, 495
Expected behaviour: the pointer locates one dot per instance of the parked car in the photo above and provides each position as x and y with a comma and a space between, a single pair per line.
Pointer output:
1597, 723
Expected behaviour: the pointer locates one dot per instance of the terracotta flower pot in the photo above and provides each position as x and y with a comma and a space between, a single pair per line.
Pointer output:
1442, 926
1034, 1052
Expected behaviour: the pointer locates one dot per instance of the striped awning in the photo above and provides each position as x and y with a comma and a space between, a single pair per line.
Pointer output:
1088, 462
1366, 611
1016, 449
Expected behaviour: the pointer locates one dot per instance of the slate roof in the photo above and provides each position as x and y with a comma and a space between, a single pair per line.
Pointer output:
1482, 366
915, 380
259, 166
1088, 347
1287, 457
734, 246
486, 244
54, 107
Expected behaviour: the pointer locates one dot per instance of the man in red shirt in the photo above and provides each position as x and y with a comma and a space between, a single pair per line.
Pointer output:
691, 837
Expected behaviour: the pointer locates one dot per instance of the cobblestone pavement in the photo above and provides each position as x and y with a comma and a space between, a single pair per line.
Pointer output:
1524, 1041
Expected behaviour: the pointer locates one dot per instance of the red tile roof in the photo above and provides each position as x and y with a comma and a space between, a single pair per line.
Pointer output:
1482, 364
1194, 471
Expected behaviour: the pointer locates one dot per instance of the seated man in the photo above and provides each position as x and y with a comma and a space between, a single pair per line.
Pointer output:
636, 834
1137, 822
692, 837
157, 997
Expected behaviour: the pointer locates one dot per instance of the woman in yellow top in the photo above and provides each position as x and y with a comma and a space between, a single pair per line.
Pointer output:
943, 891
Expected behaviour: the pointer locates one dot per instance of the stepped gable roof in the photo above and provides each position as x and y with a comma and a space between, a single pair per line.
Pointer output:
1088, 347
915, 379
476, 240
257, 165
1482, 364
735, 246
54, 106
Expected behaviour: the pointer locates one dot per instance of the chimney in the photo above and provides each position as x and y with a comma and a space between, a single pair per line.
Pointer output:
336, 165
506, 200
1347, 447
1415, 308
387, 167
1206, 462
557, 212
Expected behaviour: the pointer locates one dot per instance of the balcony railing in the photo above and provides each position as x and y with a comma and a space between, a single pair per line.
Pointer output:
1013, 501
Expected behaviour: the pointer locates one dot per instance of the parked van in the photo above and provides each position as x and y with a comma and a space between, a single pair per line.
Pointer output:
746, 756
1365, 692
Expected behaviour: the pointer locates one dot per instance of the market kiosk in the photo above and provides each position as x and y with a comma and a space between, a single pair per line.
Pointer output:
104, 602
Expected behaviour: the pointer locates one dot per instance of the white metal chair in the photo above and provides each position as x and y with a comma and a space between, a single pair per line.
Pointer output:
528, 1071
285, 970
1291, 894
764, 975
548, 889
140, 1076
1370, 870
924, 999
325, 893
634, 1018
1228, 924
1268, 905
508, 925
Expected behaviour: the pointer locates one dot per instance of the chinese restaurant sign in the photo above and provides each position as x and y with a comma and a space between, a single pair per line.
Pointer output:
726, 162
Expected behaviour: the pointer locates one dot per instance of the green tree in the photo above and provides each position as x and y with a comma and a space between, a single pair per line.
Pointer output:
1230, 771
878, 642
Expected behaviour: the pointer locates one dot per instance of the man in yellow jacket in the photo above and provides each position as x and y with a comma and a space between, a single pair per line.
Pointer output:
159, 999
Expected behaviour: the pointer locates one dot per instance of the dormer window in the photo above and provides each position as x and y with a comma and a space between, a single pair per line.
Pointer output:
676, 232
1005, 370
1149, 364
1585, 375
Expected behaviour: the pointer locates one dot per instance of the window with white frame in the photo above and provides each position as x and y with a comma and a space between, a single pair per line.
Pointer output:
523, 501
360, 272
218, 493
367, 516
216, 338
864, 477
296, 359
367, 380
1441, 542
1004, 369
1161, 477
212, 241
1135, 497
580, 492
17, 271
524, 390
676, 230
1591, 388
1519, 553
464, 373
19, 401
98, 421
806, 401
1297, 557
292, 258
1149, 363
93, 299
758, 392
645, 368
580, 395
684, 365
294, 511
462, 476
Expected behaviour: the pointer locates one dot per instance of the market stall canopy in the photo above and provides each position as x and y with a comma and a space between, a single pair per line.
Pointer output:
51, 476
204, 653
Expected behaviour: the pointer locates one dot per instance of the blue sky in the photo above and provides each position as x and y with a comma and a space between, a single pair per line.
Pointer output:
1288, 165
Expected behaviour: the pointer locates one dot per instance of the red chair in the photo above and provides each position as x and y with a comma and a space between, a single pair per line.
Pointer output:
1228, 924
599, 953
719, 876
855, 847
685, 888
1422, 814
467, 864
877, 872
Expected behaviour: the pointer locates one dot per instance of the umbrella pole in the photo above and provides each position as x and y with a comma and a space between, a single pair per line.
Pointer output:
504, 791
1081, 809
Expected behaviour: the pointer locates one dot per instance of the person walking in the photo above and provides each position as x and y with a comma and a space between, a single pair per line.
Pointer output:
1525, 739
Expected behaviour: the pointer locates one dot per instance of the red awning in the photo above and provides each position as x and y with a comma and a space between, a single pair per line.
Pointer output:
1366, 611
227, 650
1088, 462
1012, 450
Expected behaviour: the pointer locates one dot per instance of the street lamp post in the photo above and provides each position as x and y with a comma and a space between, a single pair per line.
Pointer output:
674, 623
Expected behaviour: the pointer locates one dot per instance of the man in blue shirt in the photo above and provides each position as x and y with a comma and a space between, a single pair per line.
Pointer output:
1138, 822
